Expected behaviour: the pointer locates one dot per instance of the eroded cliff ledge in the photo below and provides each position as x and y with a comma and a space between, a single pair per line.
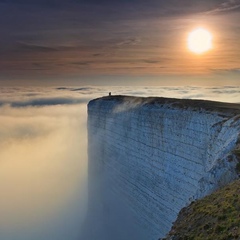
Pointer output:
158, 154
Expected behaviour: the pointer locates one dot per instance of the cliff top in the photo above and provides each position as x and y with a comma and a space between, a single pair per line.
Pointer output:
232, 108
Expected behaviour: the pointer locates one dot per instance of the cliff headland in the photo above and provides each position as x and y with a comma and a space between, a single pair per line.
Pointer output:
154, 156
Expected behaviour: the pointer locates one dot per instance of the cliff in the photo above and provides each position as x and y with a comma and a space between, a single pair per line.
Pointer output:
153, 156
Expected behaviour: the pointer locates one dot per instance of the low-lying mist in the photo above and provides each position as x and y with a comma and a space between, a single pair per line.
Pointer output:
43, 170
43, 157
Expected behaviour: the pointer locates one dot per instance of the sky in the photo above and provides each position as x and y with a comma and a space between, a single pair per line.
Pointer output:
134, 42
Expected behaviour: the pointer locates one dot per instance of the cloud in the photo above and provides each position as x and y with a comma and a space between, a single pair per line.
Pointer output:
129, 41
228, 93
227, 6
42, 97
81, 89
82, 63
48, 102
34, 47
229, 70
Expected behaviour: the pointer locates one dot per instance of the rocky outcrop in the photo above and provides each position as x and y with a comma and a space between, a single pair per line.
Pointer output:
156, 155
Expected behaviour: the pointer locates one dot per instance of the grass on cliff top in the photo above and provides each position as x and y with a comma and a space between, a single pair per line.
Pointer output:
215, 217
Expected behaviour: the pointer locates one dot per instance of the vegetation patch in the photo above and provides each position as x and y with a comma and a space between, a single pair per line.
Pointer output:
237, 153
216, 216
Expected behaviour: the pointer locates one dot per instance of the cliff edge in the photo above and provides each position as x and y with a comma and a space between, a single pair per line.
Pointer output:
153, 156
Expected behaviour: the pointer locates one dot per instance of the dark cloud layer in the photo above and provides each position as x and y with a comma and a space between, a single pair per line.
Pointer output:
48, 102
171, 4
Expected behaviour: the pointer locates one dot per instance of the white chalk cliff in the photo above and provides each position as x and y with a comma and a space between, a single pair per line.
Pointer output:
156, 155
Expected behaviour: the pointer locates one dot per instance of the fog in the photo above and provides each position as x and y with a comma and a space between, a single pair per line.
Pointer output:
43, 156
42, 172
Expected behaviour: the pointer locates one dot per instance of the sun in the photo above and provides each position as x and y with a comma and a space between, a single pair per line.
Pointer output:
200, 41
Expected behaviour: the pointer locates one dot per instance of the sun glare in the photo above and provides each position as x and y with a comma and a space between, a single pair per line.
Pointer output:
199, 41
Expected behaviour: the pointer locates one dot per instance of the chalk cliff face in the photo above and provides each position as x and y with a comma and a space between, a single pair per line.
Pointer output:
156, 155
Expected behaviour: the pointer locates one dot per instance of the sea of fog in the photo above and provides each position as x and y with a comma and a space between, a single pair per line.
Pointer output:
43, 155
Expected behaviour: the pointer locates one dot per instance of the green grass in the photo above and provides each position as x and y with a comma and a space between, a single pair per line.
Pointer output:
237, 152
216, 216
